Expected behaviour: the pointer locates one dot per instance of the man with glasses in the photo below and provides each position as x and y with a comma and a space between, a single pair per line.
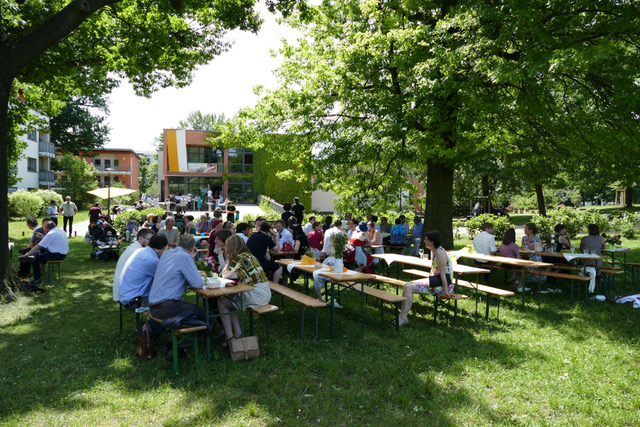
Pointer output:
144, 236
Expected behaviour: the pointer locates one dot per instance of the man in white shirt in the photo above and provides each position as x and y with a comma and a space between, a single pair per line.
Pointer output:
54, 246
485, 243
68, 209
327, 248
308, 227
170, 232
284, 235
142, 241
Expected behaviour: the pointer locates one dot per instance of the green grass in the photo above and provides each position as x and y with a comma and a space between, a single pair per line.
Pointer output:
65, 363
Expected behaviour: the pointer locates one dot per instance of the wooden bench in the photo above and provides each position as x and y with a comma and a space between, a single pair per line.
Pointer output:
262, 311
308, 305
383, 297
574, 280
50, 266
609, 274
180, 335
447, 298
489, 291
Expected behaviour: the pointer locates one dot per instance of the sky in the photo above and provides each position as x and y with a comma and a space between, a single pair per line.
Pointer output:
223, 86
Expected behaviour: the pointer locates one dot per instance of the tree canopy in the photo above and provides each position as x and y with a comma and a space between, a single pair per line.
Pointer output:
75, 129
378, 89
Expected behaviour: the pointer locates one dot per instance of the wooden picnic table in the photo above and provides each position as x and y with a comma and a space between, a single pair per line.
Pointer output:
426, 263
523, 263
624, 252
226, 292
282, 253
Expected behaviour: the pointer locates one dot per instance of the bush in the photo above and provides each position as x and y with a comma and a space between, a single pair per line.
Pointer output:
23, 204
120, 222
626, 225
594, 217
47, 196
500, 225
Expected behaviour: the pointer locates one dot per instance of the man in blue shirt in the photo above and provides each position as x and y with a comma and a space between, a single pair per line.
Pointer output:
398, 233
175, 274
416, 236
138, 273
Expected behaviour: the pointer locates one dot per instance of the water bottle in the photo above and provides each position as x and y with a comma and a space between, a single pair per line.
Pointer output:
128, 236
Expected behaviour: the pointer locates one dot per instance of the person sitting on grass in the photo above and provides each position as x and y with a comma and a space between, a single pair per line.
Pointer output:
438, 283
250, 272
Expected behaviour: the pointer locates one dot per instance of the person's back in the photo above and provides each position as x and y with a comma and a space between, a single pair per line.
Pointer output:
398, 234
259, 243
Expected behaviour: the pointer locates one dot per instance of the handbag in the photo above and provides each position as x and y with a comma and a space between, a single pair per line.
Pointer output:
244, 348
287, 247
349, 250
144, 344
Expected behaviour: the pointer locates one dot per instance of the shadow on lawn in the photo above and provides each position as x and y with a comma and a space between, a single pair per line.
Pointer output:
68, 348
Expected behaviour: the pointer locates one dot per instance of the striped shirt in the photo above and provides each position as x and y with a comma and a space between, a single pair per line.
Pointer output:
176, 272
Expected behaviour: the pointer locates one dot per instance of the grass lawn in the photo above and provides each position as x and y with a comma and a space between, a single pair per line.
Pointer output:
66, 363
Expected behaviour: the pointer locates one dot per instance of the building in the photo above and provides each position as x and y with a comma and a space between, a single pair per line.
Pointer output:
33, 168
189, 165
114, 165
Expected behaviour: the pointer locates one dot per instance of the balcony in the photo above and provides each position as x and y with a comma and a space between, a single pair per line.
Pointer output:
46, 178
46, 149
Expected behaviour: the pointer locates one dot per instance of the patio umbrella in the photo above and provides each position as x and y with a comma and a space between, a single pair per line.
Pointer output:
109, 193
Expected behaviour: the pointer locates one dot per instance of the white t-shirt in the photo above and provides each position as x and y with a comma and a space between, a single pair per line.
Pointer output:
55, 241
120, 265
285, 237
485, 243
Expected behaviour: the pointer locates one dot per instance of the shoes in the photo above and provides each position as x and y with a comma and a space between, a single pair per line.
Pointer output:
403, 322
558, 291
520, 289
32, 286
335, 304
547, 291
182, 354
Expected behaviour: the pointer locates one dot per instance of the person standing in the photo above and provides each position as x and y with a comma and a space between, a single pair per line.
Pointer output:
52, 212
416, 235
298, 210
68, 210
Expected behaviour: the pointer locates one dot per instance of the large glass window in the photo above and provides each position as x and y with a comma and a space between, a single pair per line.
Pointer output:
241, 190
204, 155
193, 185
240, 160
107, 163
31, 164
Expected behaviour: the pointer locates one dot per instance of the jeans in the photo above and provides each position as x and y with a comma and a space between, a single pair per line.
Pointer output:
65, 220
42, 257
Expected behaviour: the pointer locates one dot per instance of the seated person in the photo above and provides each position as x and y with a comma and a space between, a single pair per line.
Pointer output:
249, 271
438, 283
203, 226
142, 241
259, 244
398, 234
54, 246
360, 238
36, 235
138, 273
243, 230
189, 227
315, 238
301, 243
170, 232
284, 235
509, 249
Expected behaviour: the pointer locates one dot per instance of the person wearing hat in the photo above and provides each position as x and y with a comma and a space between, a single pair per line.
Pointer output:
359, 239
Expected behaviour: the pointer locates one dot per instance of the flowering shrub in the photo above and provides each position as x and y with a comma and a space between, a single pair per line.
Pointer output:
626, 225
612, 239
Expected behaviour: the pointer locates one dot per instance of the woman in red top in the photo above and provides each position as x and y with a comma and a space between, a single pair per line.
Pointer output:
315, 238
360, 237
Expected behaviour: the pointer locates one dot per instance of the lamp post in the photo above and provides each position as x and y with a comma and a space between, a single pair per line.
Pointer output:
109, 170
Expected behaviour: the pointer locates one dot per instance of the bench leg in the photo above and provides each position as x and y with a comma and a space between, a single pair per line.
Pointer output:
175, 351
120, 316
251, 323
435, 311
486, 317
302, 324
266, 321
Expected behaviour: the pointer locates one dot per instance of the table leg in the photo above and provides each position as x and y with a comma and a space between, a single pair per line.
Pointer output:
362, 310
206, 315
332, 310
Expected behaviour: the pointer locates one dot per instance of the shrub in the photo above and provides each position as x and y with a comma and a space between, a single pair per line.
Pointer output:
594, 217
626, 225
47, 196
500, 225
23, 204
120, 222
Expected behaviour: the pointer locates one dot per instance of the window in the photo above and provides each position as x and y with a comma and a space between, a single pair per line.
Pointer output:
32, 135
116, 179
31, 164
241, 190
240, 160
204, 155
115, 162
107, 163
96, 162
107, 181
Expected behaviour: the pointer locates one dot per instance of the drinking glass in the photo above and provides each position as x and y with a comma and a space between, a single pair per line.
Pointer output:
421, 251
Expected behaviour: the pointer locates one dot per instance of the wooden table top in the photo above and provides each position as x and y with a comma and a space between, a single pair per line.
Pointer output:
341, 277
426, 263
220, 292
510, 261
576, 255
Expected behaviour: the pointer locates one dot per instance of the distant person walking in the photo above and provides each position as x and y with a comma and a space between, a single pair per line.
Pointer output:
52, 212
68, 210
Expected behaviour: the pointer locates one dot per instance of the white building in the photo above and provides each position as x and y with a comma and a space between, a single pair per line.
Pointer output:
33, 168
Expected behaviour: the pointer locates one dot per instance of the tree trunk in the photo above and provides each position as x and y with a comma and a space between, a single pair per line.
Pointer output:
628, 197
10, 280
541, 208
439, 201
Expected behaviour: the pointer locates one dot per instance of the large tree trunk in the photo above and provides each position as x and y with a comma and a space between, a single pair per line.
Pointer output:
628, 197
9, 278
541, 208
439, 201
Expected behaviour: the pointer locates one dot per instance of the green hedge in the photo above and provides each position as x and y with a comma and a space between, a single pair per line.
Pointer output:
120, 222
500, 225
266, 182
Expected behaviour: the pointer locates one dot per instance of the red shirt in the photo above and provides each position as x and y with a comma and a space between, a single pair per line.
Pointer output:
315, 239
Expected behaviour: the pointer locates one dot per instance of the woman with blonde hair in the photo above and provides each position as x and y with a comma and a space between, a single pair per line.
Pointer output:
239, 260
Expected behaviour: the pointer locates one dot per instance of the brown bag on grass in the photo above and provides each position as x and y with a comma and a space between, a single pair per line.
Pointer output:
244, 348
144, 343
